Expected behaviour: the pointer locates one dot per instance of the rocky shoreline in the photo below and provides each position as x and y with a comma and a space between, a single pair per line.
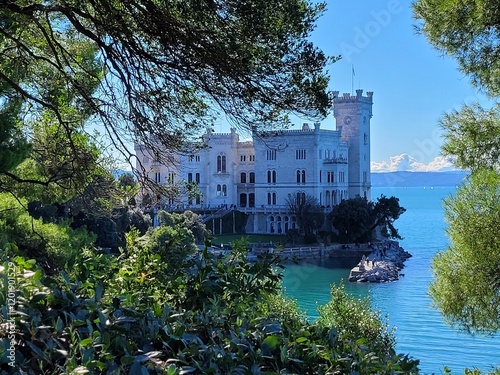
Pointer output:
383, 264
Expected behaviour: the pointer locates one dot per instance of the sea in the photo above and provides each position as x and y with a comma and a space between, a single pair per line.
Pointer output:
420, 329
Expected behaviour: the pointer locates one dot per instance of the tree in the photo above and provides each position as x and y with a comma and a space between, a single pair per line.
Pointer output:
385, 212
468, 31
467, 275
356, 219
187, 219
352, 219
158, 73
309, 214
468, 268
43, 111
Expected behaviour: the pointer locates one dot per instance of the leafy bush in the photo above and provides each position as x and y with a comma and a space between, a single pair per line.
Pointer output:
207, 315
56, 243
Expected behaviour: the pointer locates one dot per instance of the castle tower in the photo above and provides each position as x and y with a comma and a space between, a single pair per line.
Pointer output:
352, 114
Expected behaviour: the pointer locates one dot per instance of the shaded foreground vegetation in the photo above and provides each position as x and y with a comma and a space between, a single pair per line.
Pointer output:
150, 311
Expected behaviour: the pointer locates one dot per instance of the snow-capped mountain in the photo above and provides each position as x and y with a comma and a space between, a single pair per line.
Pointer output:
407, 163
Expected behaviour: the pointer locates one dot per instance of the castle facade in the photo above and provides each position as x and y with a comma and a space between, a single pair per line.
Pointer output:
258, 176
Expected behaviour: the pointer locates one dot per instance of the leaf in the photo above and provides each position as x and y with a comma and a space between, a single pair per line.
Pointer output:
86, 341
137, 369
269, 344
38, 297
187, 370
36, 350
172, 369
80, 370
59, 324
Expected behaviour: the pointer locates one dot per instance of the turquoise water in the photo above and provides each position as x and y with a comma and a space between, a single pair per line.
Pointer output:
420, 329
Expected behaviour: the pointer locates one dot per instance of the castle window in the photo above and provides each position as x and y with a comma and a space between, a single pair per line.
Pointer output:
221, 163
301, 197
243, 158
197, 177
366, 138
221, 190
243, 200
300, 154
190, 177
170, 178
341, 176
252, 177
243, 177
157, 177
271, 198
271, 176
331, 177
251, 200
271, 154
301, 176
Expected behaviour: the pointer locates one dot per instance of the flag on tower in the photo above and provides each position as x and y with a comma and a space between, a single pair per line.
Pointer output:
353, 72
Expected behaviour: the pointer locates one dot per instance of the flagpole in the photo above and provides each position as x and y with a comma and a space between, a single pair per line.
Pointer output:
352, 80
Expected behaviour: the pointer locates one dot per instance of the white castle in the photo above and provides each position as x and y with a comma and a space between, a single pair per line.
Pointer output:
256, 177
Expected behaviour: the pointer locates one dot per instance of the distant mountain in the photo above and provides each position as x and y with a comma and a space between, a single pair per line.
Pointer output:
410, 179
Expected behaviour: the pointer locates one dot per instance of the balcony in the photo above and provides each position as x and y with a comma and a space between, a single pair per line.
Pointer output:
335, 161
245, 186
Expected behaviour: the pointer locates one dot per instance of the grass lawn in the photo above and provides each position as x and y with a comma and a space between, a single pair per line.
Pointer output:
219, 239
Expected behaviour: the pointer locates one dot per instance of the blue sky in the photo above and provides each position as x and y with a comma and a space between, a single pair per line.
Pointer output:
413, 83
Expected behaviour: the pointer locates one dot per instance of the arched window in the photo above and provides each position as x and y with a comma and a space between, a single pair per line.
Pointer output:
243, 200
243, 177
252, 177
251, 200
271, 176
286, 223
271, 198
221, 190
301, 197
221, 163
271, 224
301, 176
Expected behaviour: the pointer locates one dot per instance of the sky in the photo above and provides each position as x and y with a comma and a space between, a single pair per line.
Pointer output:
413, 83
